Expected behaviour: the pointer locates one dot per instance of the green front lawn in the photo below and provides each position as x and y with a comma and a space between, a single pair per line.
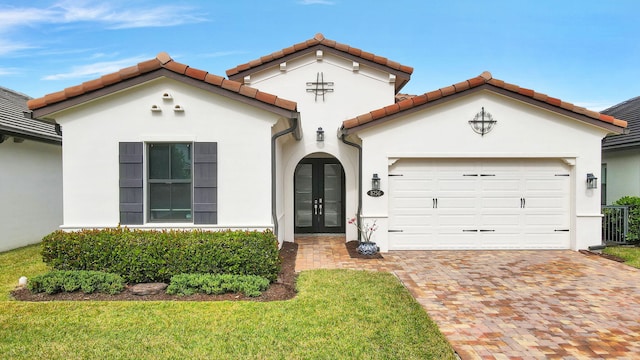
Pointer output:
631, 255
337, 314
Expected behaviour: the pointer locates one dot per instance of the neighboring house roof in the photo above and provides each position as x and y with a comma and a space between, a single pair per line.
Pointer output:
13, 122
483, 81
162, 65
320, 42
630, 111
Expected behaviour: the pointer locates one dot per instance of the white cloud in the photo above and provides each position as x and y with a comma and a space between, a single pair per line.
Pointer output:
8, 71
316, 2
111, 15
96, 69
7, 46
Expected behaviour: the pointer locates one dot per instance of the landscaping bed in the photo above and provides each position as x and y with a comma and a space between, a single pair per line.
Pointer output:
282, 289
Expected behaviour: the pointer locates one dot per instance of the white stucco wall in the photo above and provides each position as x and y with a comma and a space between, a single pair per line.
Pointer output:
92, 132
354, 93
31, 192
522, 131
623, 174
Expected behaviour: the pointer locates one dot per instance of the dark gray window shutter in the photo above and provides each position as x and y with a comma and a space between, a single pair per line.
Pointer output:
131, 207
205, 183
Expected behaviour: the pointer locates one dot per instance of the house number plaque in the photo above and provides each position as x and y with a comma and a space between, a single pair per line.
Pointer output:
375, 193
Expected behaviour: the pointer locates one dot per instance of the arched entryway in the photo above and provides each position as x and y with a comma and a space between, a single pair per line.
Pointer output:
319, 195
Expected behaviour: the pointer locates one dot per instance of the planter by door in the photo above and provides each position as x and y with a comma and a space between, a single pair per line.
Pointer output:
319, 196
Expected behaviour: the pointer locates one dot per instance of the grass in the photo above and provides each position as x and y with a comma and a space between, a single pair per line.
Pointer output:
337, 314
631, 255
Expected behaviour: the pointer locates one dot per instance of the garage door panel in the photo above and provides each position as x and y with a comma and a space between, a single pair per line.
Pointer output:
519, 202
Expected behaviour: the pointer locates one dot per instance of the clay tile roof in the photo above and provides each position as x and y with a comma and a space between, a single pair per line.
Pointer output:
406, 103
319, 39
162, 60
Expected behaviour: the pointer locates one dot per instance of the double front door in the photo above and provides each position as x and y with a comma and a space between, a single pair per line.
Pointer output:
319, 196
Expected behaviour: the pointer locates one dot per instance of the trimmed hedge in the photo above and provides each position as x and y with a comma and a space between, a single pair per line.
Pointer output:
73, 280
633, 202
216, 284
150, 256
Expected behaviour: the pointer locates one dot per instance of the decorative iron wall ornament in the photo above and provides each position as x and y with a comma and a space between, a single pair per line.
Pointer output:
482, 123
319, 87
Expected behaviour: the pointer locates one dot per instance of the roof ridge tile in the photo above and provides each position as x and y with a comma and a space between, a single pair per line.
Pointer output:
319, 39
162, 60
484, 78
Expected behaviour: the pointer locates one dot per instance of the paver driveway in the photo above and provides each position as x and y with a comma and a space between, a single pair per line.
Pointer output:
511, 304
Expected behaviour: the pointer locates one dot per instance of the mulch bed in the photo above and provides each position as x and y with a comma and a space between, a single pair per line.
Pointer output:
282, 289
354, 254
606, 256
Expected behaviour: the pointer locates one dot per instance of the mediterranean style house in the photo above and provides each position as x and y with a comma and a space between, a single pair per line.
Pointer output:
30, 175
302, 139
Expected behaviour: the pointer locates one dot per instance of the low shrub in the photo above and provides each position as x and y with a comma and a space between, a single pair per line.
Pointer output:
149, 256
216, 284
76, 280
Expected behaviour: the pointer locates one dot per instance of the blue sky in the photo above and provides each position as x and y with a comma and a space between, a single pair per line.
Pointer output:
582, 51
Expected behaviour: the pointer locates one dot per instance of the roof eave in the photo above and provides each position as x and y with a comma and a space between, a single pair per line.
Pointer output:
615, 129
402, 78
48, 110
31, 136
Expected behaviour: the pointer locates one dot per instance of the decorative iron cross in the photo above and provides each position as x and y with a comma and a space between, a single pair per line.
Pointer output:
319, 87
483, 122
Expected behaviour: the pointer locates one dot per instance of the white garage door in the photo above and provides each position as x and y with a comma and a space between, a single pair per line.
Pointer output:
479, 204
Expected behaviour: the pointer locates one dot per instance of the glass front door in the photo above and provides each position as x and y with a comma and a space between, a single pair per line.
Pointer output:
319, 196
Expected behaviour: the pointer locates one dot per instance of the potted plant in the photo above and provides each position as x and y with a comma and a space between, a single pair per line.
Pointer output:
365, 245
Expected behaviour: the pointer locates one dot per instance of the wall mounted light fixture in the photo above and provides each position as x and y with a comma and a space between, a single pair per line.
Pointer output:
375, 182
320, 134
592, 181
375, 187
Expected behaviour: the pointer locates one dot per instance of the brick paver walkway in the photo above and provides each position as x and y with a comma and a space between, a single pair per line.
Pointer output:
511, 304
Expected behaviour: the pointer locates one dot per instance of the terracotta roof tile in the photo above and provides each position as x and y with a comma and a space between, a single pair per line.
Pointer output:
149, 65
351, 123
566, 105
214, 79
162, 60
554, 101
55, 97
392, 109
365, 118
111, 78
484, 78
446, 91
419, 100
92, 85
231, 85
379, 113
405, 104
464, 85
266, 97
434, 95
74, 91
285, 104
607, 118
196, 73
319, 39
176, 67
526, 92
248, 91
476, 81
128, 72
